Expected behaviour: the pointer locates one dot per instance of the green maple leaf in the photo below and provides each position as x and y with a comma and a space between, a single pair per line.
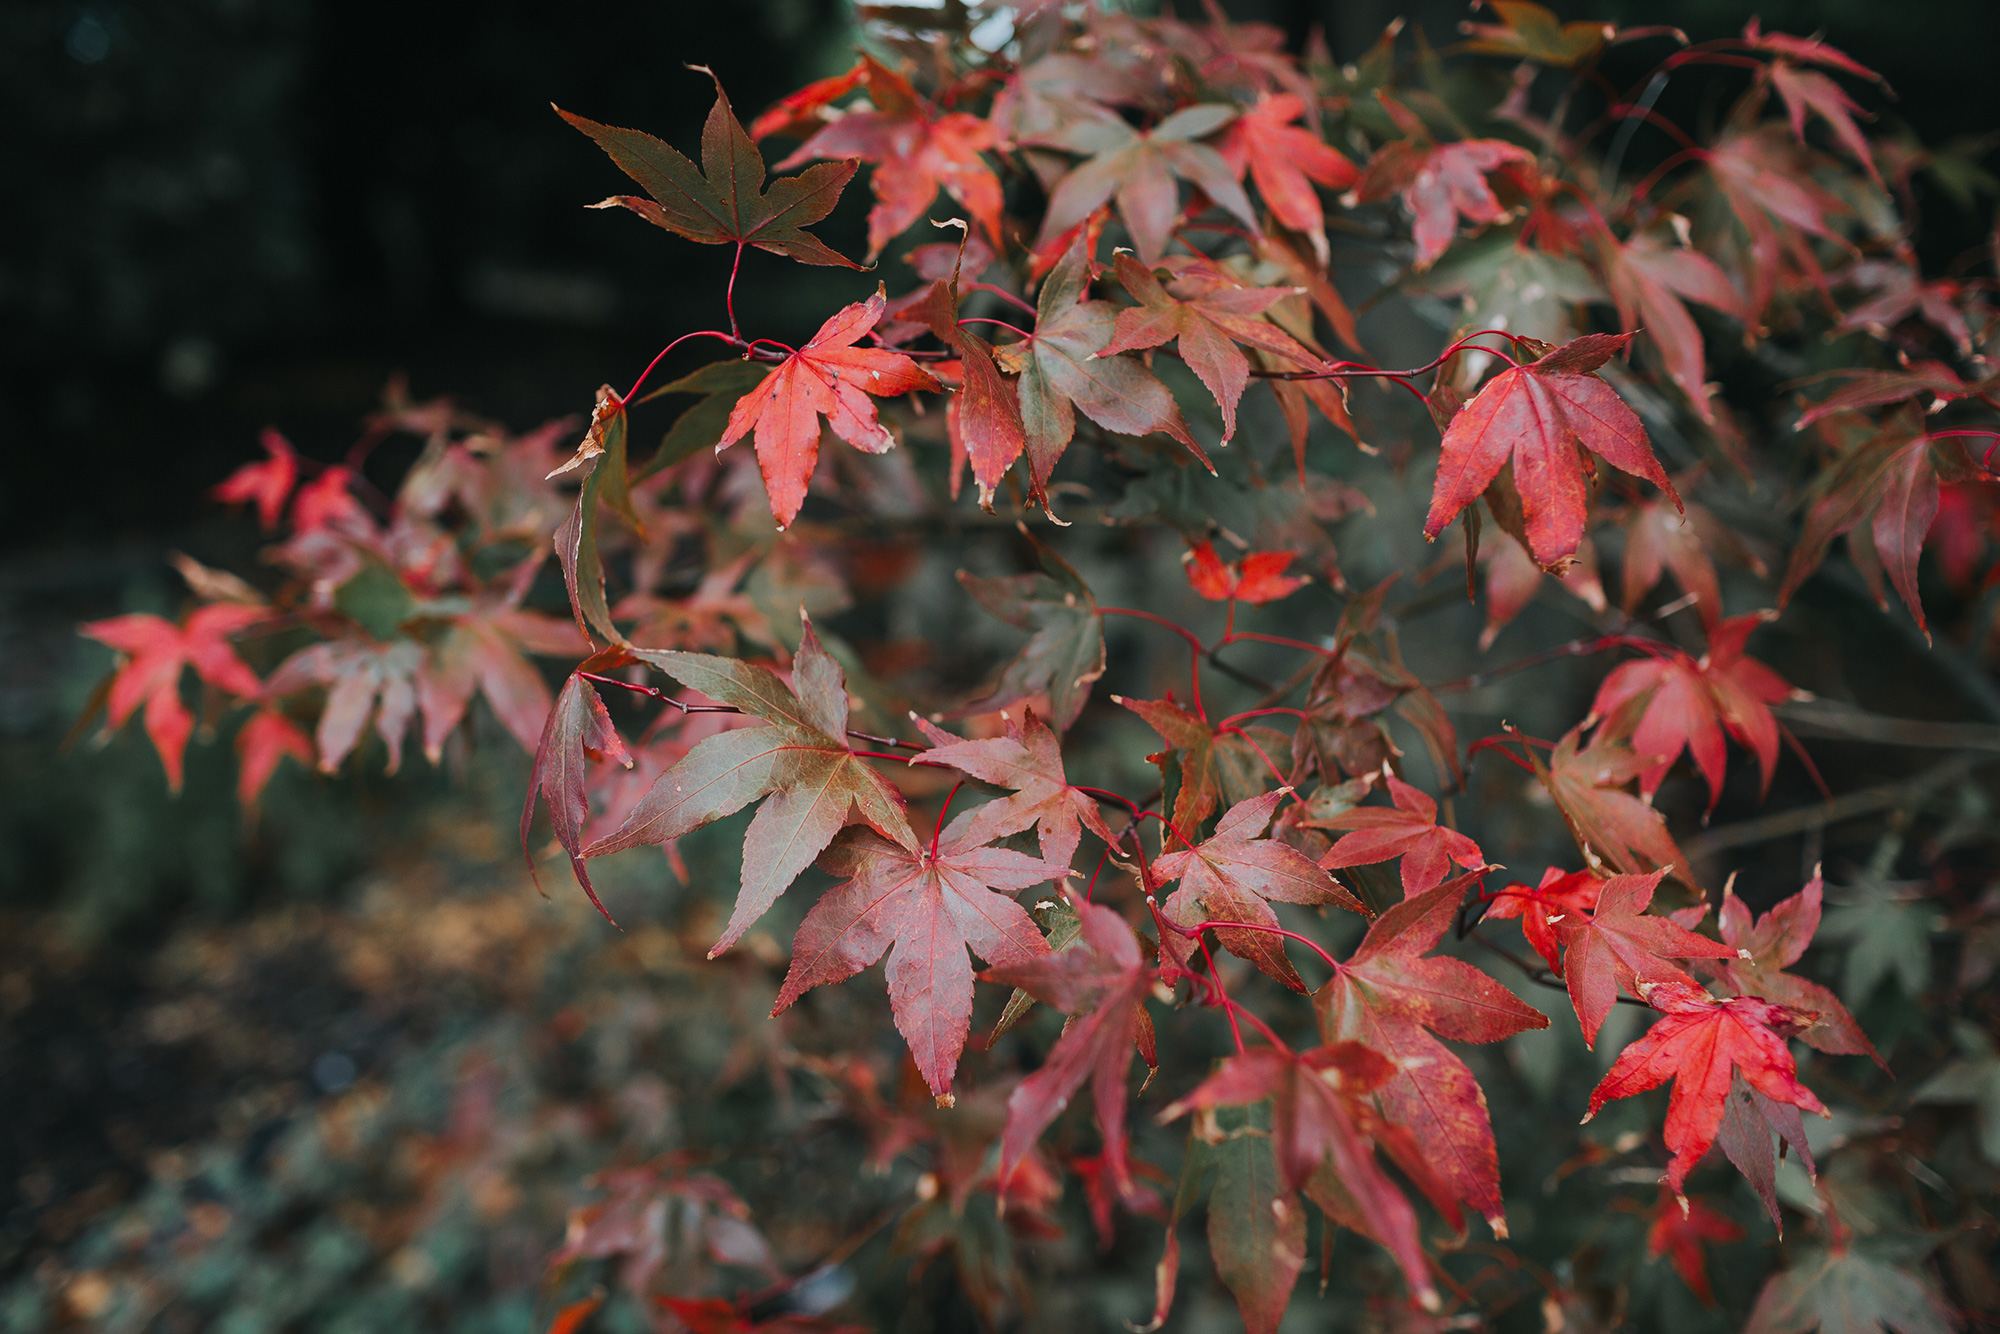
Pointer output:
1066, 653
1890, 933
724, 201
1842, 1291
1973, 1078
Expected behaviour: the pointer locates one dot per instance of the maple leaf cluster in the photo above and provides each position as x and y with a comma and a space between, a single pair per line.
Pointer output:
1141, 216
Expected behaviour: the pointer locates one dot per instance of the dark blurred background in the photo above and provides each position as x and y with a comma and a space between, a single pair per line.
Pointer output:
226, 214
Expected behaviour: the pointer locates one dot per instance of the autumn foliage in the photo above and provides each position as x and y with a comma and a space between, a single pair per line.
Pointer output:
1136, 324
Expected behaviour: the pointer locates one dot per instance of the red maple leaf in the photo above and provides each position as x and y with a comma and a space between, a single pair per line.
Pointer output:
1390, 998
1513, 579
1900, 292
923, 908
1928, 384
265, 738
916, 151
1700, 1042
1806, 50
1689, 703
1259, 578
984, 416
1562, 896
570, 1318
268, 484
1774, 942
1659, 539
1750, 1121
1138, 168
327, 502
1027, 759
1542, 416
1649, 280
1769, 185
1609, 824
155, 652
717, 1315
1682, 1228
1440, 183
1101, 982
579, 729
1409, 830
1234, 876
1619, 945
485, 650
615, 789
827, 377
1286, 161
1893, 476
1805, 90
1205, 313
1321, 1124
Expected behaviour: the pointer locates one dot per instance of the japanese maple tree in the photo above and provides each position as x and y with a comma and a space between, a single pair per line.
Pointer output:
1142, 817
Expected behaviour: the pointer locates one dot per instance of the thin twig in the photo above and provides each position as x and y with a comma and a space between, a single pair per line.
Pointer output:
1848, 805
